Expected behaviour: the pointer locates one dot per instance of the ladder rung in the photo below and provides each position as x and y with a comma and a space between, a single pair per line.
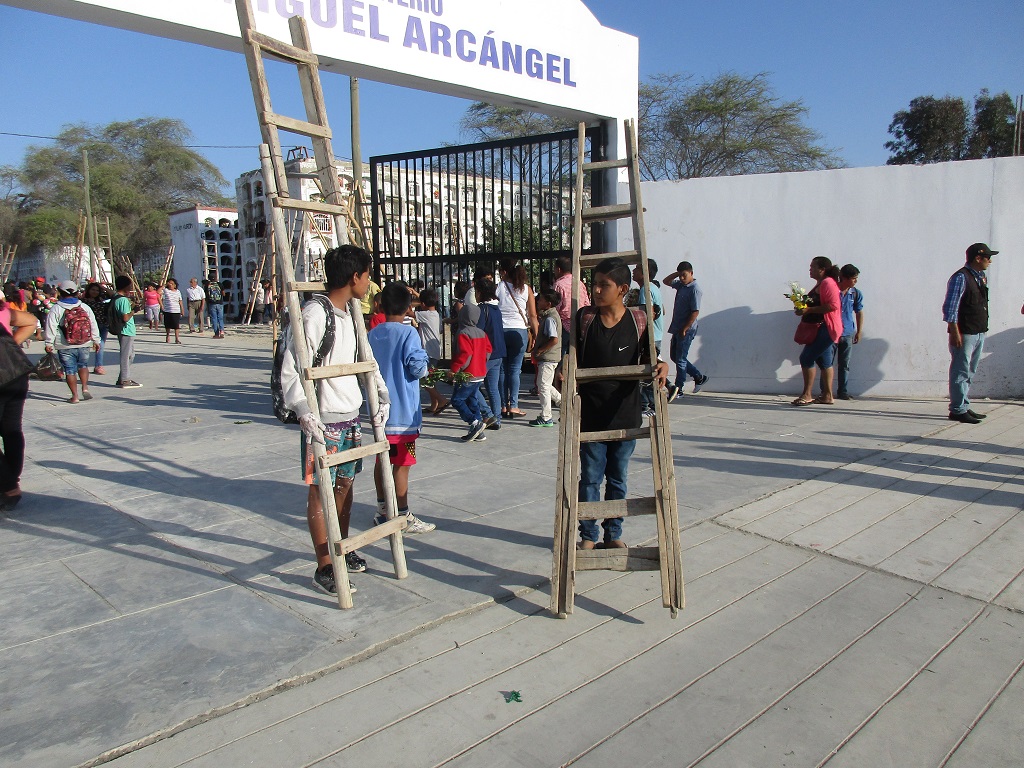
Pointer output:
297, 286
603, 165
608, 212
308, 205
281, 50
614, 435
599, 510
378, 532
616, 372
352, 454
294, 125
630, 257
345, 369
632, 559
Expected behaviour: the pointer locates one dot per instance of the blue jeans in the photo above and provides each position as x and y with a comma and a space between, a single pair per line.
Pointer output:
647, 387
73, 359
843, 351
820, 352
217, 317
464, 401
678, 351
600, 461
963, 365
98, 360
490, 386
515, 351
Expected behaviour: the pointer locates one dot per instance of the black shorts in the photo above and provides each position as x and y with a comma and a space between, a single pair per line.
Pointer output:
172, 320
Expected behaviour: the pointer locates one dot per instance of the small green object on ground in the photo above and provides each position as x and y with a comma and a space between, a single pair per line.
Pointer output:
513, 696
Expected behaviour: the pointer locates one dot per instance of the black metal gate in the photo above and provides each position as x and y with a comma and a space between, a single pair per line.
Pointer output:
439, 215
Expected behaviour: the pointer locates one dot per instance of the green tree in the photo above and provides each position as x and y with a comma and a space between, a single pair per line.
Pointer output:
728, 125
489, 122
140, 170
933, 130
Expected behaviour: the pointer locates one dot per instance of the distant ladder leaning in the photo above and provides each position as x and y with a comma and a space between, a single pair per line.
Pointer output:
315, 127
665, 557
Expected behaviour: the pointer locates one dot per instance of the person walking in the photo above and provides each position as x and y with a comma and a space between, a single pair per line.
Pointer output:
824, 312
965, 312
21, 325
71, 328
519, 320
215, 306
196, 302
683, 327
97, 298
172, 302
151, 296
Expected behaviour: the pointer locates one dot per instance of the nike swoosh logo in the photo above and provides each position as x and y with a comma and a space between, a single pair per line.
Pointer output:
622, 348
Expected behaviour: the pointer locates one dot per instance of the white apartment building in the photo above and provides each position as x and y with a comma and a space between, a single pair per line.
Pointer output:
206, 245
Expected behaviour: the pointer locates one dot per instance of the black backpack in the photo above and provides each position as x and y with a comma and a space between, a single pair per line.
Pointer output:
283, 413
115, 319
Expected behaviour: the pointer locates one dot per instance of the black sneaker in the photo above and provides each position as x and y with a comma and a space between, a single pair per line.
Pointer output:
323, 579
964, 418
673, 392
843, 396
699, 383
475, 429
496, 425
355, 563
490, 421
977, 415
129, 384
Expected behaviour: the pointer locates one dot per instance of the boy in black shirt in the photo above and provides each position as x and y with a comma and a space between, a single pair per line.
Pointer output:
609, 335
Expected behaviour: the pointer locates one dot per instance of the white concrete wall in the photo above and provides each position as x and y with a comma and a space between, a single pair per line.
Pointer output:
905, 227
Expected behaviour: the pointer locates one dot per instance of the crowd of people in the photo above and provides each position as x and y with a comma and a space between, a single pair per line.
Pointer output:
496, 322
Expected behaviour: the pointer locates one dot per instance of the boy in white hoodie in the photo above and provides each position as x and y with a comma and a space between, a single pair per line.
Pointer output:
347, 271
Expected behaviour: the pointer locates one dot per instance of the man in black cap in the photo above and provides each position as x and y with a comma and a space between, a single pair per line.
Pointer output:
965, 312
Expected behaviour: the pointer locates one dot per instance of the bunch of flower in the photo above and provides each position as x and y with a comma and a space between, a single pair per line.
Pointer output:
797, 295
435, 375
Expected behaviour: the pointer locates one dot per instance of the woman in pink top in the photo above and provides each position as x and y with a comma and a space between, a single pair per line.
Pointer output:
152, 298
824, 304
20, 325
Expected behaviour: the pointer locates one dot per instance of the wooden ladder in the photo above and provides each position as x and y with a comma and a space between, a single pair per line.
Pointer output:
7, 254
165, 273
316, 128
666, 556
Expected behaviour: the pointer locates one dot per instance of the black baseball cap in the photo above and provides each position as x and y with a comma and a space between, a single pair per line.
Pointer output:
980, 249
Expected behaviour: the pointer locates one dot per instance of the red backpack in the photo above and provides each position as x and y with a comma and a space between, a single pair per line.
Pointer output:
77, 326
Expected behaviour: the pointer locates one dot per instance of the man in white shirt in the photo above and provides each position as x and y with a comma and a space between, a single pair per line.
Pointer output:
196, 300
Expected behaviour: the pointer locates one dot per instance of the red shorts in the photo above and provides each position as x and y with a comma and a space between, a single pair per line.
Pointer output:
403, 450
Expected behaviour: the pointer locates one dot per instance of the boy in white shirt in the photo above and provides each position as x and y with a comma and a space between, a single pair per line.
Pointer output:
347, 271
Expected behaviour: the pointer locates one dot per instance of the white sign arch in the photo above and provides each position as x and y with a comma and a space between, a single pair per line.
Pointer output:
548, 55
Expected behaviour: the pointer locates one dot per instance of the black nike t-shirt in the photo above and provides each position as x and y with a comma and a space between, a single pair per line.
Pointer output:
611, 403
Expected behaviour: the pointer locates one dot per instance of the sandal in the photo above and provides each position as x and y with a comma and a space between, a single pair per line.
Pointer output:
512, 412
821, 401
441, 409
801, 401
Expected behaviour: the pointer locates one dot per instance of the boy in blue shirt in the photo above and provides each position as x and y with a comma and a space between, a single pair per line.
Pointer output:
851, 302
403, 362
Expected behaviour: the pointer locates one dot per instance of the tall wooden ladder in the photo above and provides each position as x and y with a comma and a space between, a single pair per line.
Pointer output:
211, 260
315, 127
165, 273
666, 556
7, 254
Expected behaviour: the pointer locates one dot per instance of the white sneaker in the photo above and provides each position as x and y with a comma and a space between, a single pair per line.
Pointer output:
418, 526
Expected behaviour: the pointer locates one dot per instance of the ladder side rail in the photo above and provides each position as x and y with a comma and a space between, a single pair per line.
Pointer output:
325, 486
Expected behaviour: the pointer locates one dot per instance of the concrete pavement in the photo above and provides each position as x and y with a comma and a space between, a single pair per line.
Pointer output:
854, 591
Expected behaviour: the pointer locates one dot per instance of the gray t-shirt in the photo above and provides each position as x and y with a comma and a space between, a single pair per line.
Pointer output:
430, 332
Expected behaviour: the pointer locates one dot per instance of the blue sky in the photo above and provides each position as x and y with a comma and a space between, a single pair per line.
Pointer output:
853, 64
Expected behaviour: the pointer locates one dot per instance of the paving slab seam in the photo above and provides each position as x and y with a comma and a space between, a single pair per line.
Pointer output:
916, 444
659, 643
369, 652
903, 686
560, 645
882, 572
297, 680
710, 750
984, 710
